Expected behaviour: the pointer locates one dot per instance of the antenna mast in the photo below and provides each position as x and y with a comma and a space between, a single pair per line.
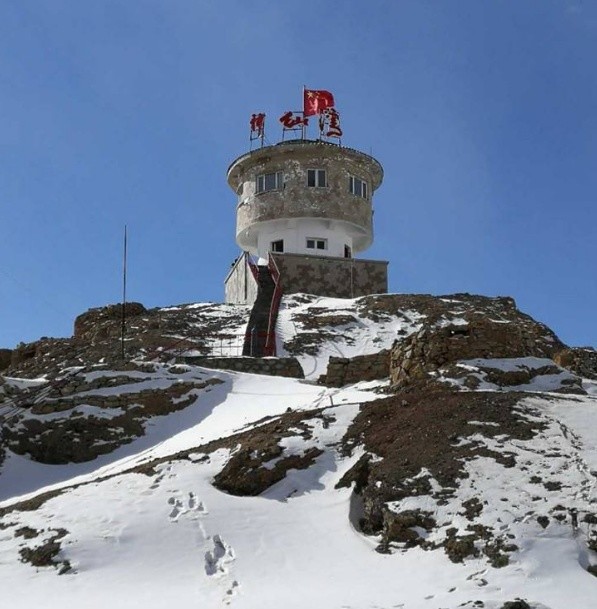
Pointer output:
123, 326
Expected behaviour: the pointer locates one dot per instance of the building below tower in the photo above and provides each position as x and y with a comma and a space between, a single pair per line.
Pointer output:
319, 275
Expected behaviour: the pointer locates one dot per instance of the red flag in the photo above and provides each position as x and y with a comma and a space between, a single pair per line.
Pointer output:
315, 102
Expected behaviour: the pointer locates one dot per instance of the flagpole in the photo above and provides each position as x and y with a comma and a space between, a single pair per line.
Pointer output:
303, 104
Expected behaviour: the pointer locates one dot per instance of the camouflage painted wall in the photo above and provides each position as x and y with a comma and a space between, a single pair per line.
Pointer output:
336, 277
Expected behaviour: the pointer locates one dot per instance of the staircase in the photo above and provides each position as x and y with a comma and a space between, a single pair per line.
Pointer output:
259, 337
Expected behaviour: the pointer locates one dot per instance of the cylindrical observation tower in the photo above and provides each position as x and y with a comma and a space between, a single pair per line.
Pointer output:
305, 197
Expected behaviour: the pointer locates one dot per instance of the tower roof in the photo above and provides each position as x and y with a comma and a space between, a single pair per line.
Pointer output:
304, 149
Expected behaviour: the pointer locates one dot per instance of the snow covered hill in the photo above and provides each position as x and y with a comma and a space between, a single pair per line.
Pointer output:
465, 478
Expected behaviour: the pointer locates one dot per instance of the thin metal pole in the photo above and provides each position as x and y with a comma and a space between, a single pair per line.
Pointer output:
303, 127
123, 328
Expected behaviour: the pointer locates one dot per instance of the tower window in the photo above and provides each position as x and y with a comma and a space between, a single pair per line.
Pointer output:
347, 251
317, 178
269, 181
357, 187
317, 244
277, 246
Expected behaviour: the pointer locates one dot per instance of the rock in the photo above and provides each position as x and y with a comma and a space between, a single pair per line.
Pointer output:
433, 347
89, 324
579, 360
5, 358
517, 604
22, 353
459, 548
401, 526
543, 521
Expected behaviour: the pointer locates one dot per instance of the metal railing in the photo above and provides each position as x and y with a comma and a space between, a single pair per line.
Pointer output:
231, 346
250, 261
270, 342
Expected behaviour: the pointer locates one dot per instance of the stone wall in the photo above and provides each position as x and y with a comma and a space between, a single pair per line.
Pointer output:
240, 286
346, 370
270, 366
336, 277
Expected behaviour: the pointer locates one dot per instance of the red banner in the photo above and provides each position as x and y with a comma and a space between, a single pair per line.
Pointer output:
316, 101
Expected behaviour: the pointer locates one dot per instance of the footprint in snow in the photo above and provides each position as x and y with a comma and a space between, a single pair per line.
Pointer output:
158, 479
217, 559
231, 592
177, 509
180, 506
196, 505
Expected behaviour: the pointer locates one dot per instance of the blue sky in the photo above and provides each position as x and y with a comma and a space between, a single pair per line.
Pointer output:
483, 114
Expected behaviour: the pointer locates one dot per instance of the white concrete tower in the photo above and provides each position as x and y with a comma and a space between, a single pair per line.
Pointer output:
304, 197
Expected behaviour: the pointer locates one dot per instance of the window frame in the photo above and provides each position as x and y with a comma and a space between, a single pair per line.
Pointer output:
273, 246
316, 243
317, 173
358, 187
261, 182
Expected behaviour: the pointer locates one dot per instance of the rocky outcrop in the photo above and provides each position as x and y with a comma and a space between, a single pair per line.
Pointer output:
259, 458
431, 348
5, 358
418, 431
580, 360
85, 422
150, 334
91, 325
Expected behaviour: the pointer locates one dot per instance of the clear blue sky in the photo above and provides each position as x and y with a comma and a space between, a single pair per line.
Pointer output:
483, 114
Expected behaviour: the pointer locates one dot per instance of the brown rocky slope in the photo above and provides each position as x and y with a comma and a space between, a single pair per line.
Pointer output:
470, 383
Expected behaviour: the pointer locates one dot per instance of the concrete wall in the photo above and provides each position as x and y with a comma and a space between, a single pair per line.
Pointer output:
296, 232
336, 277
240, 286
